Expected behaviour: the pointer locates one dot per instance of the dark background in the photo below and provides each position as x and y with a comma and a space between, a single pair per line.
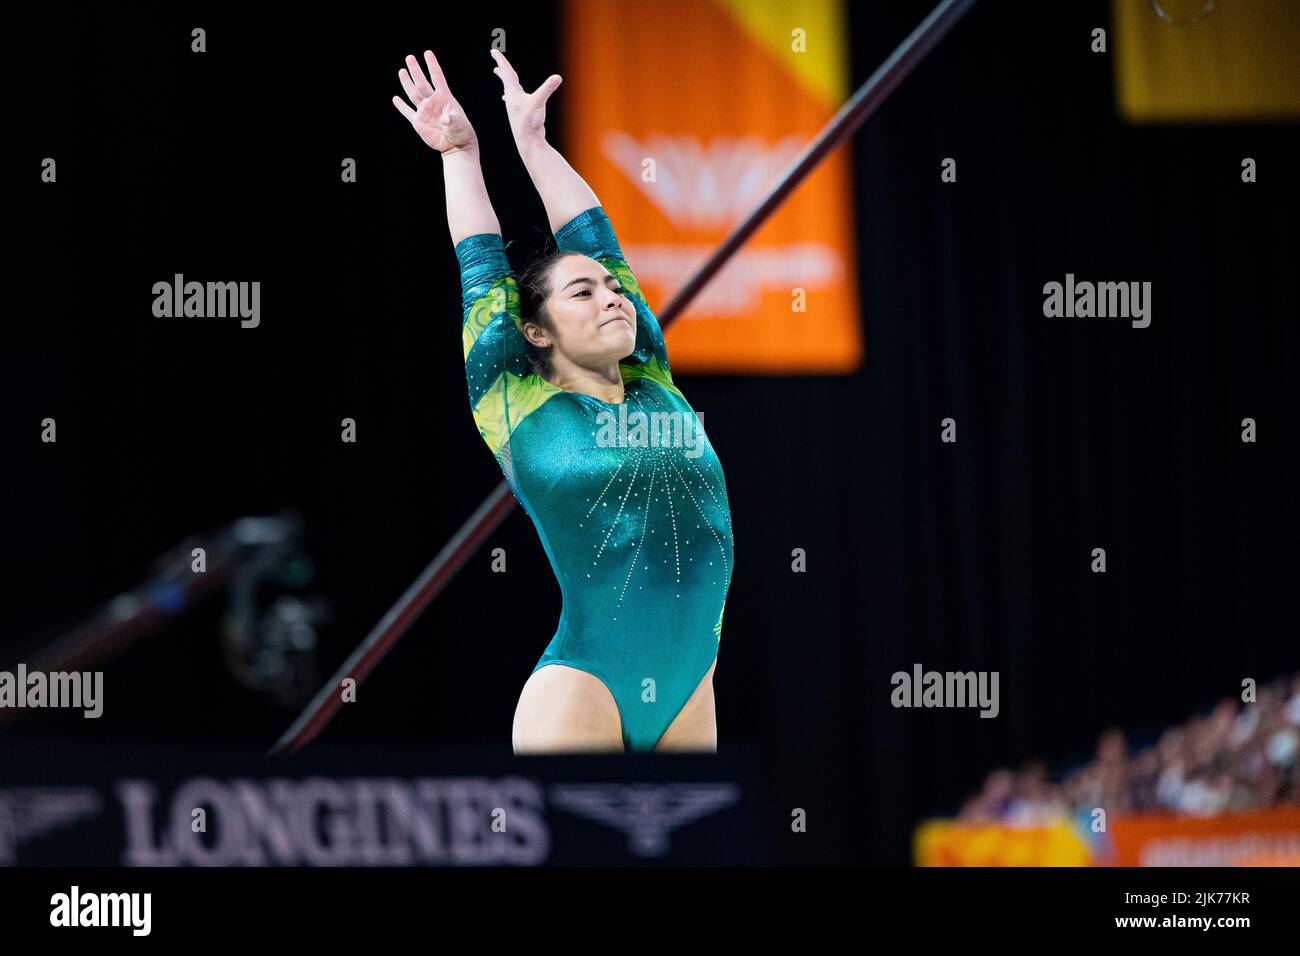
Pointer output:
1073, 434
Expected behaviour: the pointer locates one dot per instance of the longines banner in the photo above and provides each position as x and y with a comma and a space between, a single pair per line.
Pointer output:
677, 165
422, 808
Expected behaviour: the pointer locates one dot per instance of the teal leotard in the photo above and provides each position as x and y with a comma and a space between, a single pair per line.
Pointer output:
635, 522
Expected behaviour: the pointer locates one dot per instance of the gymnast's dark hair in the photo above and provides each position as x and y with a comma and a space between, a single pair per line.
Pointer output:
534, 290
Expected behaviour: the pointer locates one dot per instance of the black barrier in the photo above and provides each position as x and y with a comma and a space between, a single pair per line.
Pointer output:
390, 809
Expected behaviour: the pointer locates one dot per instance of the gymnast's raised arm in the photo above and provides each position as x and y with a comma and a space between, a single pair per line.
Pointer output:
494, 349
564, 193
443, 125
576, 218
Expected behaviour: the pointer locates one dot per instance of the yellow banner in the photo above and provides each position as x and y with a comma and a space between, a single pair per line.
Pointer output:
682, 114
946, 843
1240, 61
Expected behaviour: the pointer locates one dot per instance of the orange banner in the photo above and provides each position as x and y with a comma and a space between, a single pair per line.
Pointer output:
1266, 838
682, 114
1269, 838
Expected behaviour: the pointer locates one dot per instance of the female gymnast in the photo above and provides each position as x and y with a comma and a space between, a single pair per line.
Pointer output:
638, 534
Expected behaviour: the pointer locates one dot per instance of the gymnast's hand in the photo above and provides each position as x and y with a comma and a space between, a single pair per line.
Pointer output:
437, 117
527, 111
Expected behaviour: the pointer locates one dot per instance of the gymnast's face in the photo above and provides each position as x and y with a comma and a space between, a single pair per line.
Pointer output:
593, 321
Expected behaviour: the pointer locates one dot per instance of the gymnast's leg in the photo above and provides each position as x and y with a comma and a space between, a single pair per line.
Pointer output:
565, 710
695, 728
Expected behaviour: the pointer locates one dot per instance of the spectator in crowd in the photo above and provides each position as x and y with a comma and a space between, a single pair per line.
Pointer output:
1237, 758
